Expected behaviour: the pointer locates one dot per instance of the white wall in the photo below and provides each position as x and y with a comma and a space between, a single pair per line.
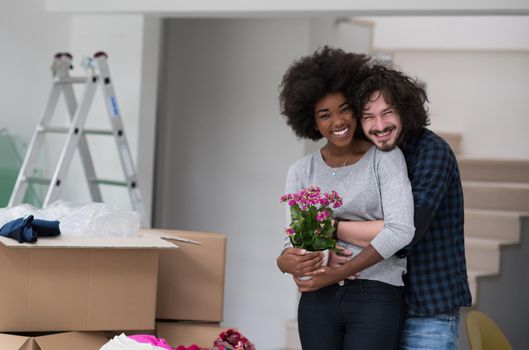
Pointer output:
451, 33
148, 106
29, 39
223, 152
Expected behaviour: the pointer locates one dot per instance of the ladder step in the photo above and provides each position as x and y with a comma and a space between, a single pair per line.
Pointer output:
71, 80
109, 182
98, 132
46, 181
62, 130
37, 180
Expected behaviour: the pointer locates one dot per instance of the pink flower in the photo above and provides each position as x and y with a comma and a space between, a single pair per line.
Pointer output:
234, 340
322, 215
285, 197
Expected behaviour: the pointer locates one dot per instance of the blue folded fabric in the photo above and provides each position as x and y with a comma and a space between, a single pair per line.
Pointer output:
46, 228
28, 229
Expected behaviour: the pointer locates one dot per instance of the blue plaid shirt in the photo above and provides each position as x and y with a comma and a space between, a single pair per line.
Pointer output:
436, 281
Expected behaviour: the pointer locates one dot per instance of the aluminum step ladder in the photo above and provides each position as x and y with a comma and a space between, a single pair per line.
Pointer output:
97, 74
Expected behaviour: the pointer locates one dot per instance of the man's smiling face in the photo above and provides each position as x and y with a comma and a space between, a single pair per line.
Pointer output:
381, 122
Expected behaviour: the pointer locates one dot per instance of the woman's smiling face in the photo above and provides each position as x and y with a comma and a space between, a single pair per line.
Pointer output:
334, 119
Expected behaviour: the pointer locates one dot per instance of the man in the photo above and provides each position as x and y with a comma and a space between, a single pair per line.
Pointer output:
390, 106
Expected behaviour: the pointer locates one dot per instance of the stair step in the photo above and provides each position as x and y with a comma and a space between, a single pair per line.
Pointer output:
493, 224
453, 139
482, 254
496, 195
500, 170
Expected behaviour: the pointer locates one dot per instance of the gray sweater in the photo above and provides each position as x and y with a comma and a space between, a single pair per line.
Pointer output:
376, 187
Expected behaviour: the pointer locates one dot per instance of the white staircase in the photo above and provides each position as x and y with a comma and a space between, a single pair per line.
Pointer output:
496, 194
496, 198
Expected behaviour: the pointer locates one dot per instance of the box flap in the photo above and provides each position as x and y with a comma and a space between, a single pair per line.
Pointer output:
137, 242
166, 236
15, 342
71, 340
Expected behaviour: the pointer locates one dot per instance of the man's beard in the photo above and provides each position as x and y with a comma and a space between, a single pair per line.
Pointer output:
387, 145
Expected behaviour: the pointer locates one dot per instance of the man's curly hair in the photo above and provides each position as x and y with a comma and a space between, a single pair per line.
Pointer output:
399, 90
310, 78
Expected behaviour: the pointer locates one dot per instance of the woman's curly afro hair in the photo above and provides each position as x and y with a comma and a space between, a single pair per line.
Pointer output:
312, 77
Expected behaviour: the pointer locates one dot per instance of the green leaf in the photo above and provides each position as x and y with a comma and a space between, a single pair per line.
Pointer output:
296, 242
322, 243
328, 230
297, 226
295, 213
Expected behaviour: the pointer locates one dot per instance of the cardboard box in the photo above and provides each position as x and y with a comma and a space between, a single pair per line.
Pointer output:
61, 341
78, 283
191, 278
188, 333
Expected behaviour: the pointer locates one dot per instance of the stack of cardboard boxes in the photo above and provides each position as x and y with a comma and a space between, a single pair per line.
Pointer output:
79, 285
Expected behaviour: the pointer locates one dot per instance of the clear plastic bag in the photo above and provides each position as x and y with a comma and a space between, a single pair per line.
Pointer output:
90, 220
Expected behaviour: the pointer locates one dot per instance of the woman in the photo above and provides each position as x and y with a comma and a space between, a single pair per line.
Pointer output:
366, 312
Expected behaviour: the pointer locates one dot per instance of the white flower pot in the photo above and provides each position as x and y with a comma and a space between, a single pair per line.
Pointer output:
324, 262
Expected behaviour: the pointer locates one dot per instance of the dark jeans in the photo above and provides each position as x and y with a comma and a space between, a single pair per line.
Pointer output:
362, 314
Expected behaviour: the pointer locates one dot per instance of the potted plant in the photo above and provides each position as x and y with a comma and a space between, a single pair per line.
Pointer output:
311, 213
